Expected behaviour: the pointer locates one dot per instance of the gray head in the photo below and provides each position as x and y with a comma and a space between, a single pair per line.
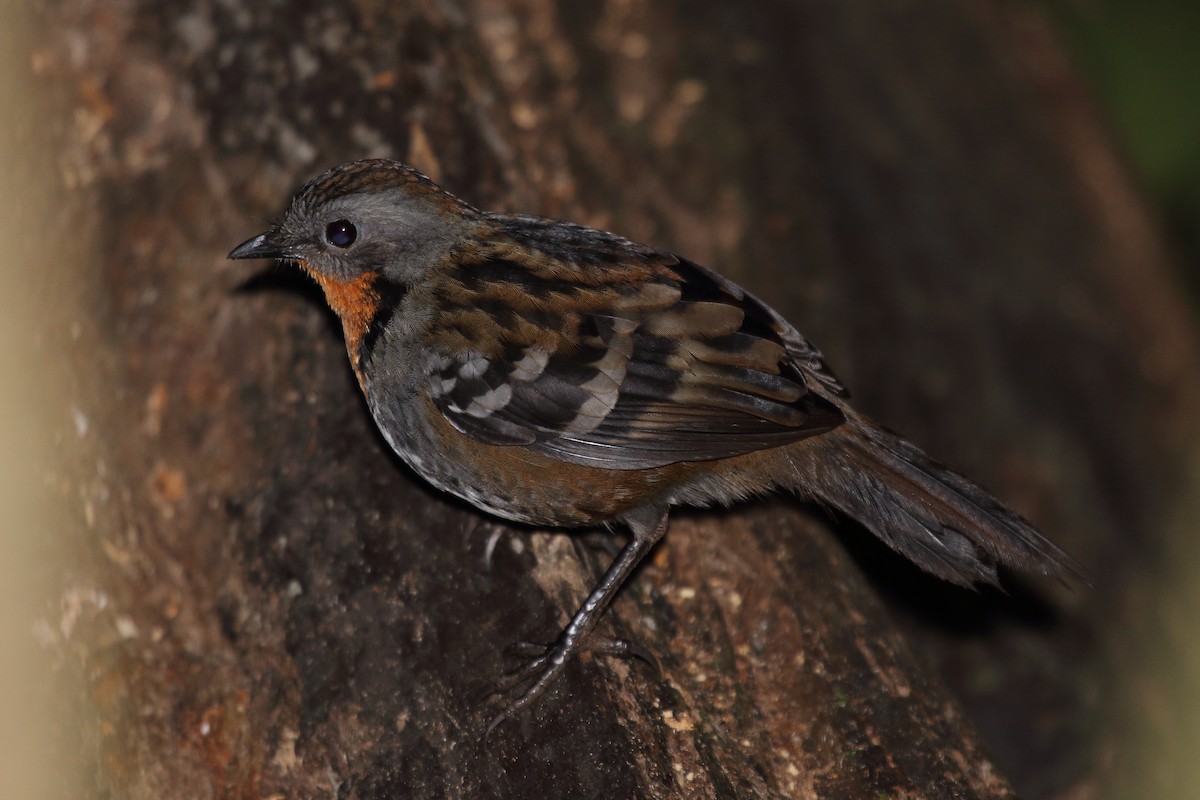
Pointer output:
374, 216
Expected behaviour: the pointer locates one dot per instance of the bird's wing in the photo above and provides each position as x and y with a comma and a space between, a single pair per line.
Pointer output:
620, 358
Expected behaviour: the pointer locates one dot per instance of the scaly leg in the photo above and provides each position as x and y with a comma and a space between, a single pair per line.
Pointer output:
646, 527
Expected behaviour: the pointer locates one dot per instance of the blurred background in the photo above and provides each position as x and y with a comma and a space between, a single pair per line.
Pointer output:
40, 692
1142, 63
1139, 61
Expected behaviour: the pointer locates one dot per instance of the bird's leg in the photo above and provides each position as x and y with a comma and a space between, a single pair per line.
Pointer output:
646, 527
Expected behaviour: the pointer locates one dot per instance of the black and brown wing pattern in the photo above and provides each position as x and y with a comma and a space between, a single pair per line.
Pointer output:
605, 353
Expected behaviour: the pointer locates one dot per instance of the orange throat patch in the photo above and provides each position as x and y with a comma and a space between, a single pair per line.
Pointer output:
356, 302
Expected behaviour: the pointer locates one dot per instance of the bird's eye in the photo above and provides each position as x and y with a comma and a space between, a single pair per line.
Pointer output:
341, 233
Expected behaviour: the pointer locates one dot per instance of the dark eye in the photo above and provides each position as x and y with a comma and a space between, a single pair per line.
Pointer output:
341, 233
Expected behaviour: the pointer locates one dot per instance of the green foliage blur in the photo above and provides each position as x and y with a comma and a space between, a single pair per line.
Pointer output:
1142, 58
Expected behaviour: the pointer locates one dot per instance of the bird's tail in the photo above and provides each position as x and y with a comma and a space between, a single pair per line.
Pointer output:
938, 519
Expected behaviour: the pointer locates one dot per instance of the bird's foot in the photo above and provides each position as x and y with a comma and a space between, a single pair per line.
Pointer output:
546, 662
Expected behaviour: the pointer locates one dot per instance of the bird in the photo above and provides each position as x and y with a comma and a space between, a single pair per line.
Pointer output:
559, 375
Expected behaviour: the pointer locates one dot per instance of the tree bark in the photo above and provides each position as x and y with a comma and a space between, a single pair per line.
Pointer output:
921, 188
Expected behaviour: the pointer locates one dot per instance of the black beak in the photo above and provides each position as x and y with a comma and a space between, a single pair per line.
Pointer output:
260, 246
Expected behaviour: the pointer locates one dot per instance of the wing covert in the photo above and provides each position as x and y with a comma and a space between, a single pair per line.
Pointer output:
635, 362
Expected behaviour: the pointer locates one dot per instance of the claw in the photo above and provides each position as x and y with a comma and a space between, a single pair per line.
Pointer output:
550, 663
528, 649
523, 673
623, 648
547, 662
489, 548
494, 534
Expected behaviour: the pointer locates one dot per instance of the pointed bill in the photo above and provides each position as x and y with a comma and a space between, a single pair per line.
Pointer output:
260, 246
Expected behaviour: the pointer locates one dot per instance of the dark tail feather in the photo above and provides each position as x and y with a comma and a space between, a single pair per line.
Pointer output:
938, 519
